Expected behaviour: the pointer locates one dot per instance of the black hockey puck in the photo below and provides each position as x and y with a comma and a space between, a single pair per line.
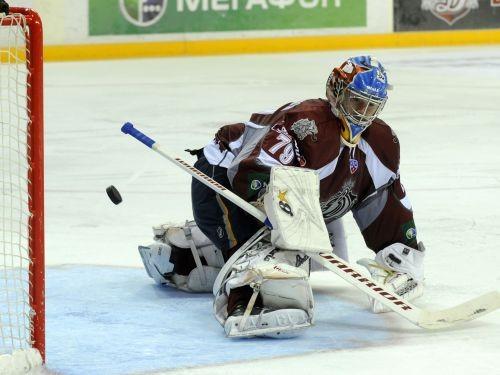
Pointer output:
114, 194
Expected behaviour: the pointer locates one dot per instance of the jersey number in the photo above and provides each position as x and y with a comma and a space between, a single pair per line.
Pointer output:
284, 141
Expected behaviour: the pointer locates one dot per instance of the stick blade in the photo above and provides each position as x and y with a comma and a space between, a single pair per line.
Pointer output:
464, 312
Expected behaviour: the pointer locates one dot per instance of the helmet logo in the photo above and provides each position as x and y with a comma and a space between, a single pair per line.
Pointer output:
348, 67
380, 75
449, 11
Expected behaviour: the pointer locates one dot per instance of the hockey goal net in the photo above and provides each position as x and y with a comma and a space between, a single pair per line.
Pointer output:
22, 313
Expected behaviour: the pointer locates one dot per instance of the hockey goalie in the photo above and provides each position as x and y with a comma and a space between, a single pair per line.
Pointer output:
305, 165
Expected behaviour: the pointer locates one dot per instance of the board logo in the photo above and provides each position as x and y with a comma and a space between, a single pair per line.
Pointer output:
450, 11
143, 13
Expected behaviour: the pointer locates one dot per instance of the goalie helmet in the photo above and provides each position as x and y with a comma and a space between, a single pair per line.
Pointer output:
357, 92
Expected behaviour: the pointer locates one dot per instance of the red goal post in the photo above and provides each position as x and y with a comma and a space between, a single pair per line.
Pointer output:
22, 265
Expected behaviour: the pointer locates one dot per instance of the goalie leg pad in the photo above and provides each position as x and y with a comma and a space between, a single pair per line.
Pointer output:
156, 260
182, 257
281, 278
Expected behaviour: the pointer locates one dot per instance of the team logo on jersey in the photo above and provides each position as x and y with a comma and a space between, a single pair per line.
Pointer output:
255, 185
353, 165
409, 230
449, 11
304, 127
411, 233
340, 203
143, 13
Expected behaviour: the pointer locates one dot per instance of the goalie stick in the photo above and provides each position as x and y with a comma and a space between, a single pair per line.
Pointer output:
428, 319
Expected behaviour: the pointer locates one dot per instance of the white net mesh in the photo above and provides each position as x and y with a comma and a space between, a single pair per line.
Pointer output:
14, 201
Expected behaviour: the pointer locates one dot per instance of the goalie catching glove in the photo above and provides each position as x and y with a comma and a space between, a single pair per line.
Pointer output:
399, 268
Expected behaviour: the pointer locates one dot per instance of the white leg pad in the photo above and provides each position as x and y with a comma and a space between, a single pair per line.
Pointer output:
281, 278
156, 257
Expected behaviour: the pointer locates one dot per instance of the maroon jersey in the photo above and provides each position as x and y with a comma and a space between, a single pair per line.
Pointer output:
363, 179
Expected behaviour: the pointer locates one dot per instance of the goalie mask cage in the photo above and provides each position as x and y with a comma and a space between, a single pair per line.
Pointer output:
22, 302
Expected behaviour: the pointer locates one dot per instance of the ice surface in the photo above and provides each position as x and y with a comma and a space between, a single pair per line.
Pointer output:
114, 320
104, 316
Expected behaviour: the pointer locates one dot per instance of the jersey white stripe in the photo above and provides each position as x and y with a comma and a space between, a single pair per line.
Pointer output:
379, 173
329, 168
267, 159
217, 157
254, 125
406, 202
222, 158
